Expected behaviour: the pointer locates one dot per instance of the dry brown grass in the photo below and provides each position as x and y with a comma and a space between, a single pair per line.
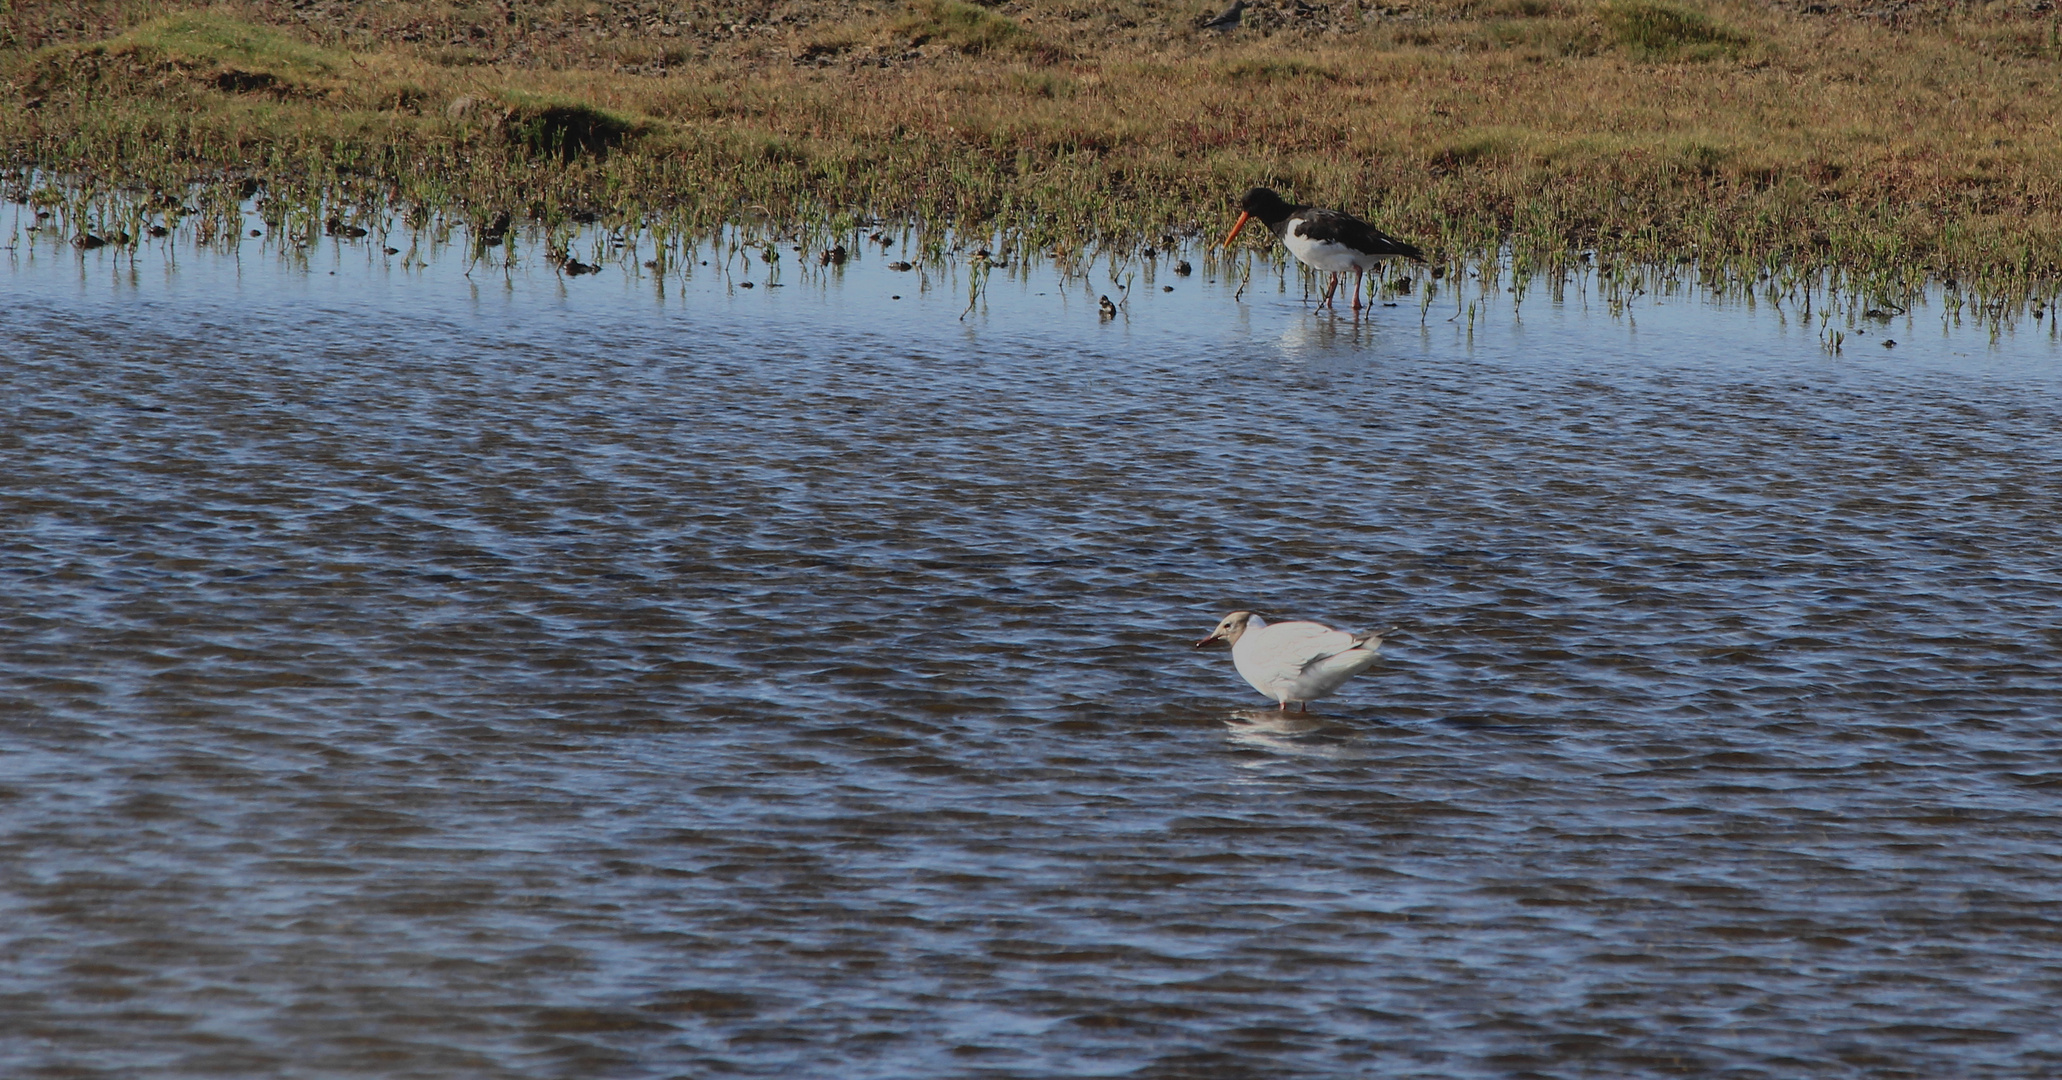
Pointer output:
1745, 134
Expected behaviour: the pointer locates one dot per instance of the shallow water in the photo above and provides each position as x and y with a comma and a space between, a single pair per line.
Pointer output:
415, 675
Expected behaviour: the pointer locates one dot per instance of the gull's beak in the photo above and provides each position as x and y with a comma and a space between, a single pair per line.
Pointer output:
1243, 218
1215, 636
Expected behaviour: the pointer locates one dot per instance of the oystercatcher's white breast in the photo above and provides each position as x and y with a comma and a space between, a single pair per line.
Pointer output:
1327, 255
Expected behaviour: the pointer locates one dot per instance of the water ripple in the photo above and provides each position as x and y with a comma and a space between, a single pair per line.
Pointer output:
410, 680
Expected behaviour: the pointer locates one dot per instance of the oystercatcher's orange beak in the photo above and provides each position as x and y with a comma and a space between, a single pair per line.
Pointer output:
1243, 218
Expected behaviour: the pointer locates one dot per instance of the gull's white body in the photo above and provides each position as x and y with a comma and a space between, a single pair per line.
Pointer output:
1294, 661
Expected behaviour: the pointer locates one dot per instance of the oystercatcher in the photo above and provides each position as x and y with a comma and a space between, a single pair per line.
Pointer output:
1326, 240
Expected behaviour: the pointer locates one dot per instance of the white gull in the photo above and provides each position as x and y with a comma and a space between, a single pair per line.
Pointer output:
1294, 661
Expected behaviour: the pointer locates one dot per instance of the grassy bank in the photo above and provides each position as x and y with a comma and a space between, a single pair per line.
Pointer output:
1892, 143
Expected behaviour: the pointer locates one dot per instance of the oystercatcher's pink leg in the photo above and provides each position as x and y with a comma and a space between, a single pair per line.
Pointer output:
1357, 271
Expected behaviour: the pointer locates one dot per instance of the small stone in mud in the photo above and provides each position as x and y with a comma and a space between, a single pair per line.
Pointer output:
255, 232
894, 298
1166, 288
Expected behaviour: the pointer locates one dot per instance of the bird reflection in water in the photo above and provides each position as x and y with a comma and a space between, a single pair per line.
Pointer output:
1287, 734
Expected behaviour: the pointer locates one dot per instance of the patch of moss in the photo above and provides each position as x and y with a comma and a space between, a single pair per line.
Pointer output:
1660, 30
565, 129
970, 29
217, 51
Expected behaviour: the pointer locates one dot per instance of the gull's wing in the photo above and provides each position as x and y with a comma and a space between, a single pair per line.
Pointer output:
1285, 650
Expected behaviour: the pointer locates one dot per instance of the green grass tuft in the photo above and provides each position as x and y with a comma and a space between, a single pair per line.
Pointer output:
565, 129
1275, 70
1660, 30
970, 29
208, 48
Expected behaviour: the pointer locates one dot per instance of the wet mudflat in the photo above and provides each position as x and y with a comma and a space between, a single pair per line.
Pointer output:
414, 676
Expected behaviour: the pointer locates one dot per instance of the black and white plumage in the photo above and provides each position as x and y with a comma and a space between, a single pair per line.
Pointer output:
1327, 240
1228, 19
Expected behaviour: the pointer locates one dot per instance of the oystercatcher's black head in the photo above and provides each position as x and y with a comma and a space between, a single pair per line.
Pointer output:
1266, 205
1262, 203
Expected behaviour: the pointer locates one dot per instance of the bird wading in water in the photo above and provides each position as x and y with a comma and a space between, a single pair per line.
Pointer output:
1327, 240
1294, 661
